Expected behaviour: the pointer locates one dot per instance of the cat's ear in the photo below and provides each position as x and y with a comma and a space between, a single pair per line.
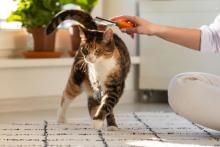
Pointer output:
79, 31
82, 35
108, 35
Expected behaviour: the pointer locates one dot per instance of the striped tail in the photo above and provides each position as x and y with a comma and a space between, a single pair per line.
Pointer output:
82, 17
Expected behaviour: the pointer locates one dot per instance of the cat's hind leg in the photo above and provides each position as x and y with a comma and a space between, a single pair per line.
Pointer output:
64, 104
93, 105
71, 91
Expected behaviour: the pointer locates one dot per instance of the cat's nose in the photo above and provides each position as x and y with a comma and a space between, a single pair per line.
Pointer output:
91, 59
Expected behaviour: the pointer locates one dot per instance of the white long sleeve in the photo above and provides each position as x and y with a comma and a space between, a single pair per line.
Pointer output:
210, 37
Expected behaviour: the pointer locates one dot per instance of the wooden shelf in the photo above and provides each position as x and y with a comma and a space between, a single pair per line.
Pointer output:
25, 63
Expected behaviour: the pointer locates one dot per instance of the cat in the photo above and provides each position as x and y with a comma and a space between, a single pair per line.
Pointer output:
100, 68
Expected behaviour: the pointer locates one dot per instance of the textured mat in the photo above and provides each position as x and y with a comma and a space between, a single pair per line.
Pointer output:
136, 129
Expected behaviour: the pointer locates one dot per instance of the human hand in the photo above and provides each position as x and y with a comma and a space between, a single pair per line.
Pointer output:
141, 26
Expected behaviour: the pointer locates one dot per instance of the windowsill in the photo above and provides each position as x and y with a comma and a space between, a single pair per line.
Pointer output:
25, 63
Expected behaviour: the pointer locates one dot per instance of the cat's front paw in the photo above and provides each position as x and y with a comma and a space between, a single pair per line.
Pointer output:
61, 120
98, 124
112, 128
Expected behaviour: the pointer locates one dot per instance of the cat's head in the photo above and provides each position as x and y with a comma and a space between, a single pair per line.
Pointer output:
96, 45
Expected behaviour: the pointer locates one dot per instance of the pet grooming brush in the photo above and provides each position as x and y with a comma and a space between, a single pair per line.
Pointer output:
121, 23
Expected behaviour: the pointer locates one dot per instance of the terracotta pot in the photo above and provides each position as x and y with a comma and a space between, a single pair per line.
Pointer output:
63, 40
75, 40
42, 42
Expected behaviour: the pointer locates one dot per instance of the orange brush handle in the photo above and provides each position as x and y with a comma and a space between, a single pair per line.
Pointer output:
120, 22
125, 24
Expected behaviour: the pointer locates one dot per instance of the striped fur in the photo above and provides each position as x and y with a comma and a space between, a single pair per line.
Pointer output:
82, 17
100, 68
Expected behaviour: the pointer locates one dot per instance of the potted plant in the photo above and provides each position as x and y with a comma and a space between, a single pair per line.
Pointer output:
35, 15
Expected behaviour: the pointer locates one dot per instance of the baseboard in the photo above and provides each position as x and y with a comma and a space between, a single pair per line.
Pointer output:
51, 102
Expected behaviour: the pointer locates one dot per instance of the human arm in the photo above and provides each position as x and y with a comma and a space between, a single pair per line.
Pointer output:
183, 36
189, 38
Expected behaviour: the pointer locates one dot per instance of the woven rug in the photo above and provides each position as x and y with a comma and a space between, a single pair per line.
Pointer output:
136, 129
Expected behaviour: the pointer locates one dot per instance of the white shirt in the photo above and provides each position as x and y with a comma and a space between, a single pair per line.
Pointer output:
210, 37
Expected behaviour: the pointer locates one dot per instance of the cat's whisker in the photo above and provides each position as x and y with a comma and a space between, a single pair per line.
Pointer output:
84, 67
81, 68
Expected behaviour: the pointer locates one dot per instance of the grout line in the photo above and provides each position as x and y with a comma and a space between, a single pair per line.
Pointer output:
102, 138
45, 134
147, 126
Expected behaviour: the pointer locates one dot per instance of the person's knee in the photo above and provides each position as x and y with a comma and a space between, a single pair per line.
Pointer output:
173, 91
180, 89
186, 90
195, 96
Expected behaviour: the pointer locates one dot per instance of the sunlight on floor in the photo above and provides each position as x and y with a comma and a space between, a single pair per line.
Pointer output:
147, 143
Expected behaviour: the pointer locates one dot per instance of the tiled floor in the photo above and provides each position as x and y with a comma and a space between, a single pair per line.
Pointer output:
38, 116
136, 129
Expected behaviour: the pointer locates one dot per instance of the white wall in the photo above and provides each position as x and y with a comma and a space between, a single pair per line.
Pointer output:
98, 10
12, 42
30, 84
162, 60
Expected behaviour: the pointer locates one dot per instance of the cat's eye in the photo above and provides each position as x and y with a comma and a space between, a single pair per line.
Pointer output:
98, 50
84, 51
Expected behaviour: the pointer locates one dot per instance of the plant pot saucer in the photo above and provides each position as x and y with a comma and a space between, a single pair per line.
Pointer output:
42, 54
71, 53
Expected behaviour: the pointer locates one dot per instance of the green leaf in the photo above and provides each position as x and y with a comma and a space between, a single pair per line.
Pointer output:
38, 13
14, 17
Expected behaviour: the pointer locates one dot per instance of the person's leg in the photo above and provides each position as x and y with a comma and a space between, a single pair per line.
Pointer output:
196, 96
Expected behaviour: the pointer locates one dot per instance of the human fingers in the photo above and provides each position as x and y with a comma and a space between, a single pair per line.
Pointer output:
131, 34
131, 19
129, 30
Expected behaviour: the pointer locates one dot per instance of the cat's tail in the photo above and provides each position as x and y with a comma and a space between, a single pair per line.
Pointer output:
82, 17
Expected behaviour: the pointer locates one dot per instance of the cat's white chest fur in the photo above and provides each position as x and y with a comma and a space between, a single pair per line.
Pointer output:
103, 68
100, 70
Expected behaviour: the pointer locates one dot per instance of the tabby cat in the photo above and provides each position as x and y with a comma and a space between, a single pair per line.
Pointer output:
100, 68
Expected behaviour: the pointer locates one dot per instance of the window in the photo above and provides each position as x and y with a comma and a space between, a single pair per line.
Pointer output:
7, 6
5, 9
